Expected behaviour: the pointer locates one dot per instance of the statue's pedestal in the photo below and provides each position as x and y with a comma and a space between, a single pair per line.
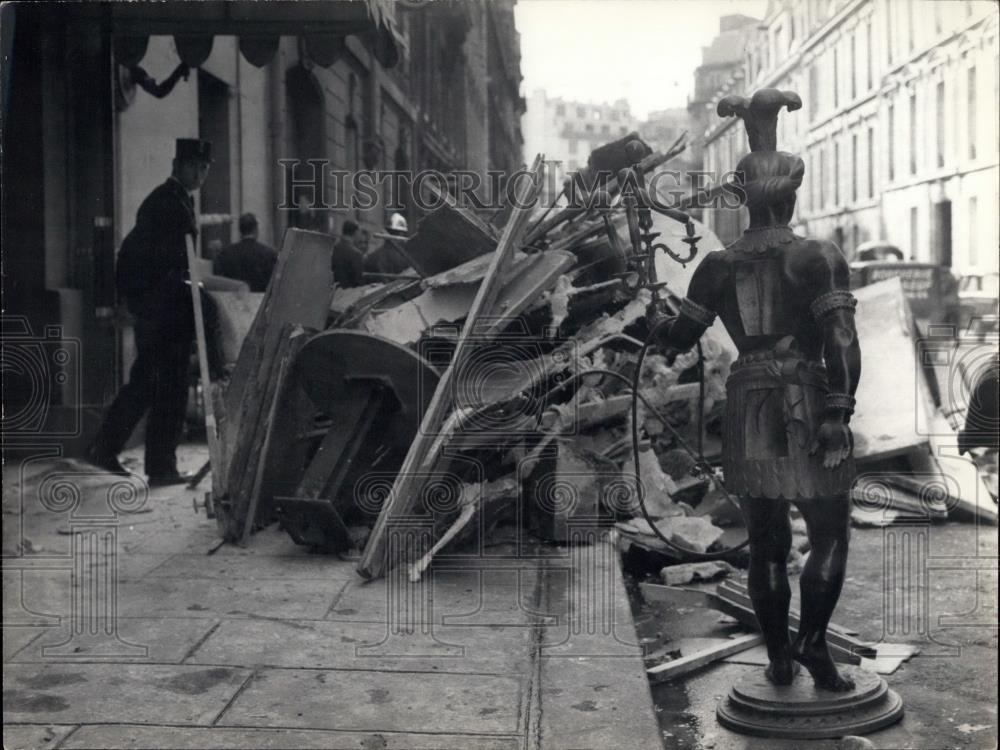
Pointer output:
802, 711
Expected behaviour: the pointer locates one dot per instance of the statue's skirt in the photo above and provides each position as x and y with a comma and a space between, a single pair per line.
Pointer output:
774, 410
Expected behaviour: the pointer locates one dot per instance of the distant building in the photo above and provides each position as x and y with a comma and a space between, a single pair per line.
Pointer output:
567, 131
664, 126
720, 61
899, 127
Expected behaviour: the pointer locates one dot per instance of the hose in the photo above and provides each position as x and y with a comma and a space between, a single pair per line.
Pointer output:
698, 457
636, 395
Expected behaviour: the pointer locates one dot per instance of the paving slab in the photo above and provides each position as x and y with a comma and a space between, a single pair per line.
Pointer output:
474, 597
369, 701
34, 736
137, 693
366, 646
290, 567
16, 638
225, 738
596, 703
152, 640
212, 598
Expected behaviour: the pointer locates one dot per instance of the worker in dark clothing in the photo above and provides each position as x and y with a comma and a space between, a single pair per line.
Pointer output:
247, 260
151, 276
348, 259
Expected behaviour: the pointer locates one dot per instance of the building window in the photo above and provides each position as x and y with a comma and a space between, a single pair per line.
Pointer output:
939, 116
581, 112
836, 78
813, 91
913, 133
973, 232
822, 176
937, 18
854, 67
572, 145
560, 110
623, 130
605, 129
854, 168
870, 57
910, 32
888, 30
972, 113
892, 142
871, 162
914, 232
836, 174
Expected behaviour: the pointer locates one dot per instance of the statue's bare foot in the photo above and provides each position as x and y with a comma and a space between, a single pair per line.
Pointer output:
781, 671
816, 658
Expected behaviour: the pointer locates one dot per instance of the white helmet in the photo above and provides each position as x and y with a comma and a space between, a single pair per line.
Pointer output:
397, 224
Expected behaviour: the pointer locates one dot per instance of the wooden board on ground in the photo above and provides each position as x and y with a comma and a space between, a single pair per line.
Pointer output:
688, 663
298, 294
893, 400
419, 463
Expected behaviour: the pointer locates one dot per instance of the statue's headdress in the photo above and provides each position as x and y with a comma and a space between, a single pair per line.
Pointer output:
766, 174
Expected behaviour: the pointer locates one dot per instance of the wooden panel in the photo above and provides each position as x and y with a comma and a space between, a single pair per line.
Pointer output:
893, 400
299, 294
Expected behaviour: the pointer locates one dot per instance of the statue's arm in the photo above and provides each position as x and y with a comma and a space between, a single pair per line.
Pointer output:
698, 309
833, 308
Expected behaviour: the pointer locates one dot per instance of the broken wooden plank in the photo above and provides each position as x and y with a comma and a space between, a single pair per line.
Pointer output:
211, 433
237, 510
448, 302
259, 470
298, 294
414, 472
843, 647
686, 664
648, 164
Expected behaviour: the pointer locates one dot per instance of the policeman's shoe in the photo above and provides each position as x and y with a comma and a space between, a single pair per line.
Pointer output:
168, 479
106, 461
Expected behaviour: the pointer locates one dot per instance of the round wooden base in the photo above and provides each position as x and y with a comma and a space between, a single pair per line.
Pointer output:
802, 711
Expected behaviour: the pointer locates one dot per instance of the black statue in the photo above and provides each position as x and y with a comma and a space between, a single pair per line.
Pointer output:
784, 300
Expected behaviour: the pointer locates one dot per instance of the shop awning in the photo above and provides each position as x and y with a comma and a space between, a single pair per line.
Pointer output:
323, 23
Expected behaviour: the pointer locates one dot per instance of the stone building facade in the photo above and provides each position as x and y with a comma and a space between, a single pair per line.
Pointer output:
899, 125
376, 85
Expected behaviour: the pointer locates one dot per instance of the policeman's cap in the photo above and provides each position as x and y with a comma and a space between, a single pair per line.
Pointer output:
193, 149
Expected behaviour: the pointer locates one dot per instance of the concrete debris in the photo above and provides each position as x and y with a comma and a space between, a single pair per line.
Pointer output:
675, 575
856, 743
692, 533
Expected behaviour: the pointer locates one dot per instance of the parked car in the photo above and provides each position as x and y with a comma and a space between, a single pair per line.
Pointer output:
978, 296
931, 289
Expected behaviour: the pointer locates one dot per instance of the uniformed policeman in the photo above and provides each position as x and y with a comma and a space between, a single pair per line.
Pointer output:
151, 277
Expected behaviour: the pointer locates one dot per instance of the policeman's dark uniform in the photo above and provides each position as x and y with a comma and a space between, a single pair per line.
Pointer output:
151, 273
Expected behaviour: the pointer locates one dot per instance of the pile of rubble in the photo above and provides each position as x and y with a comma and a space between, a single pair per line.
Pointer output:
490, 382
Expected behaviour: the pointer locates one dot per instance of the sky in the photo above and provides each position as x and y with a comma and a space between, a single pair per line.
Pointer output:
602, 50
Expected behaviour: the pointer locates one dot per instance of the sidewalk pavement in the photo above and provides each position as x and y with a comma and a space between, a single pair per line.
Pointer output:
120, 631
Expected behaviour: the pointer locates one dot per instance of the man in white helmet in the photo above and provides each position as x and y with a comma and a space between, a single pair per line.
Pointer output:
384, 259
398, 226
